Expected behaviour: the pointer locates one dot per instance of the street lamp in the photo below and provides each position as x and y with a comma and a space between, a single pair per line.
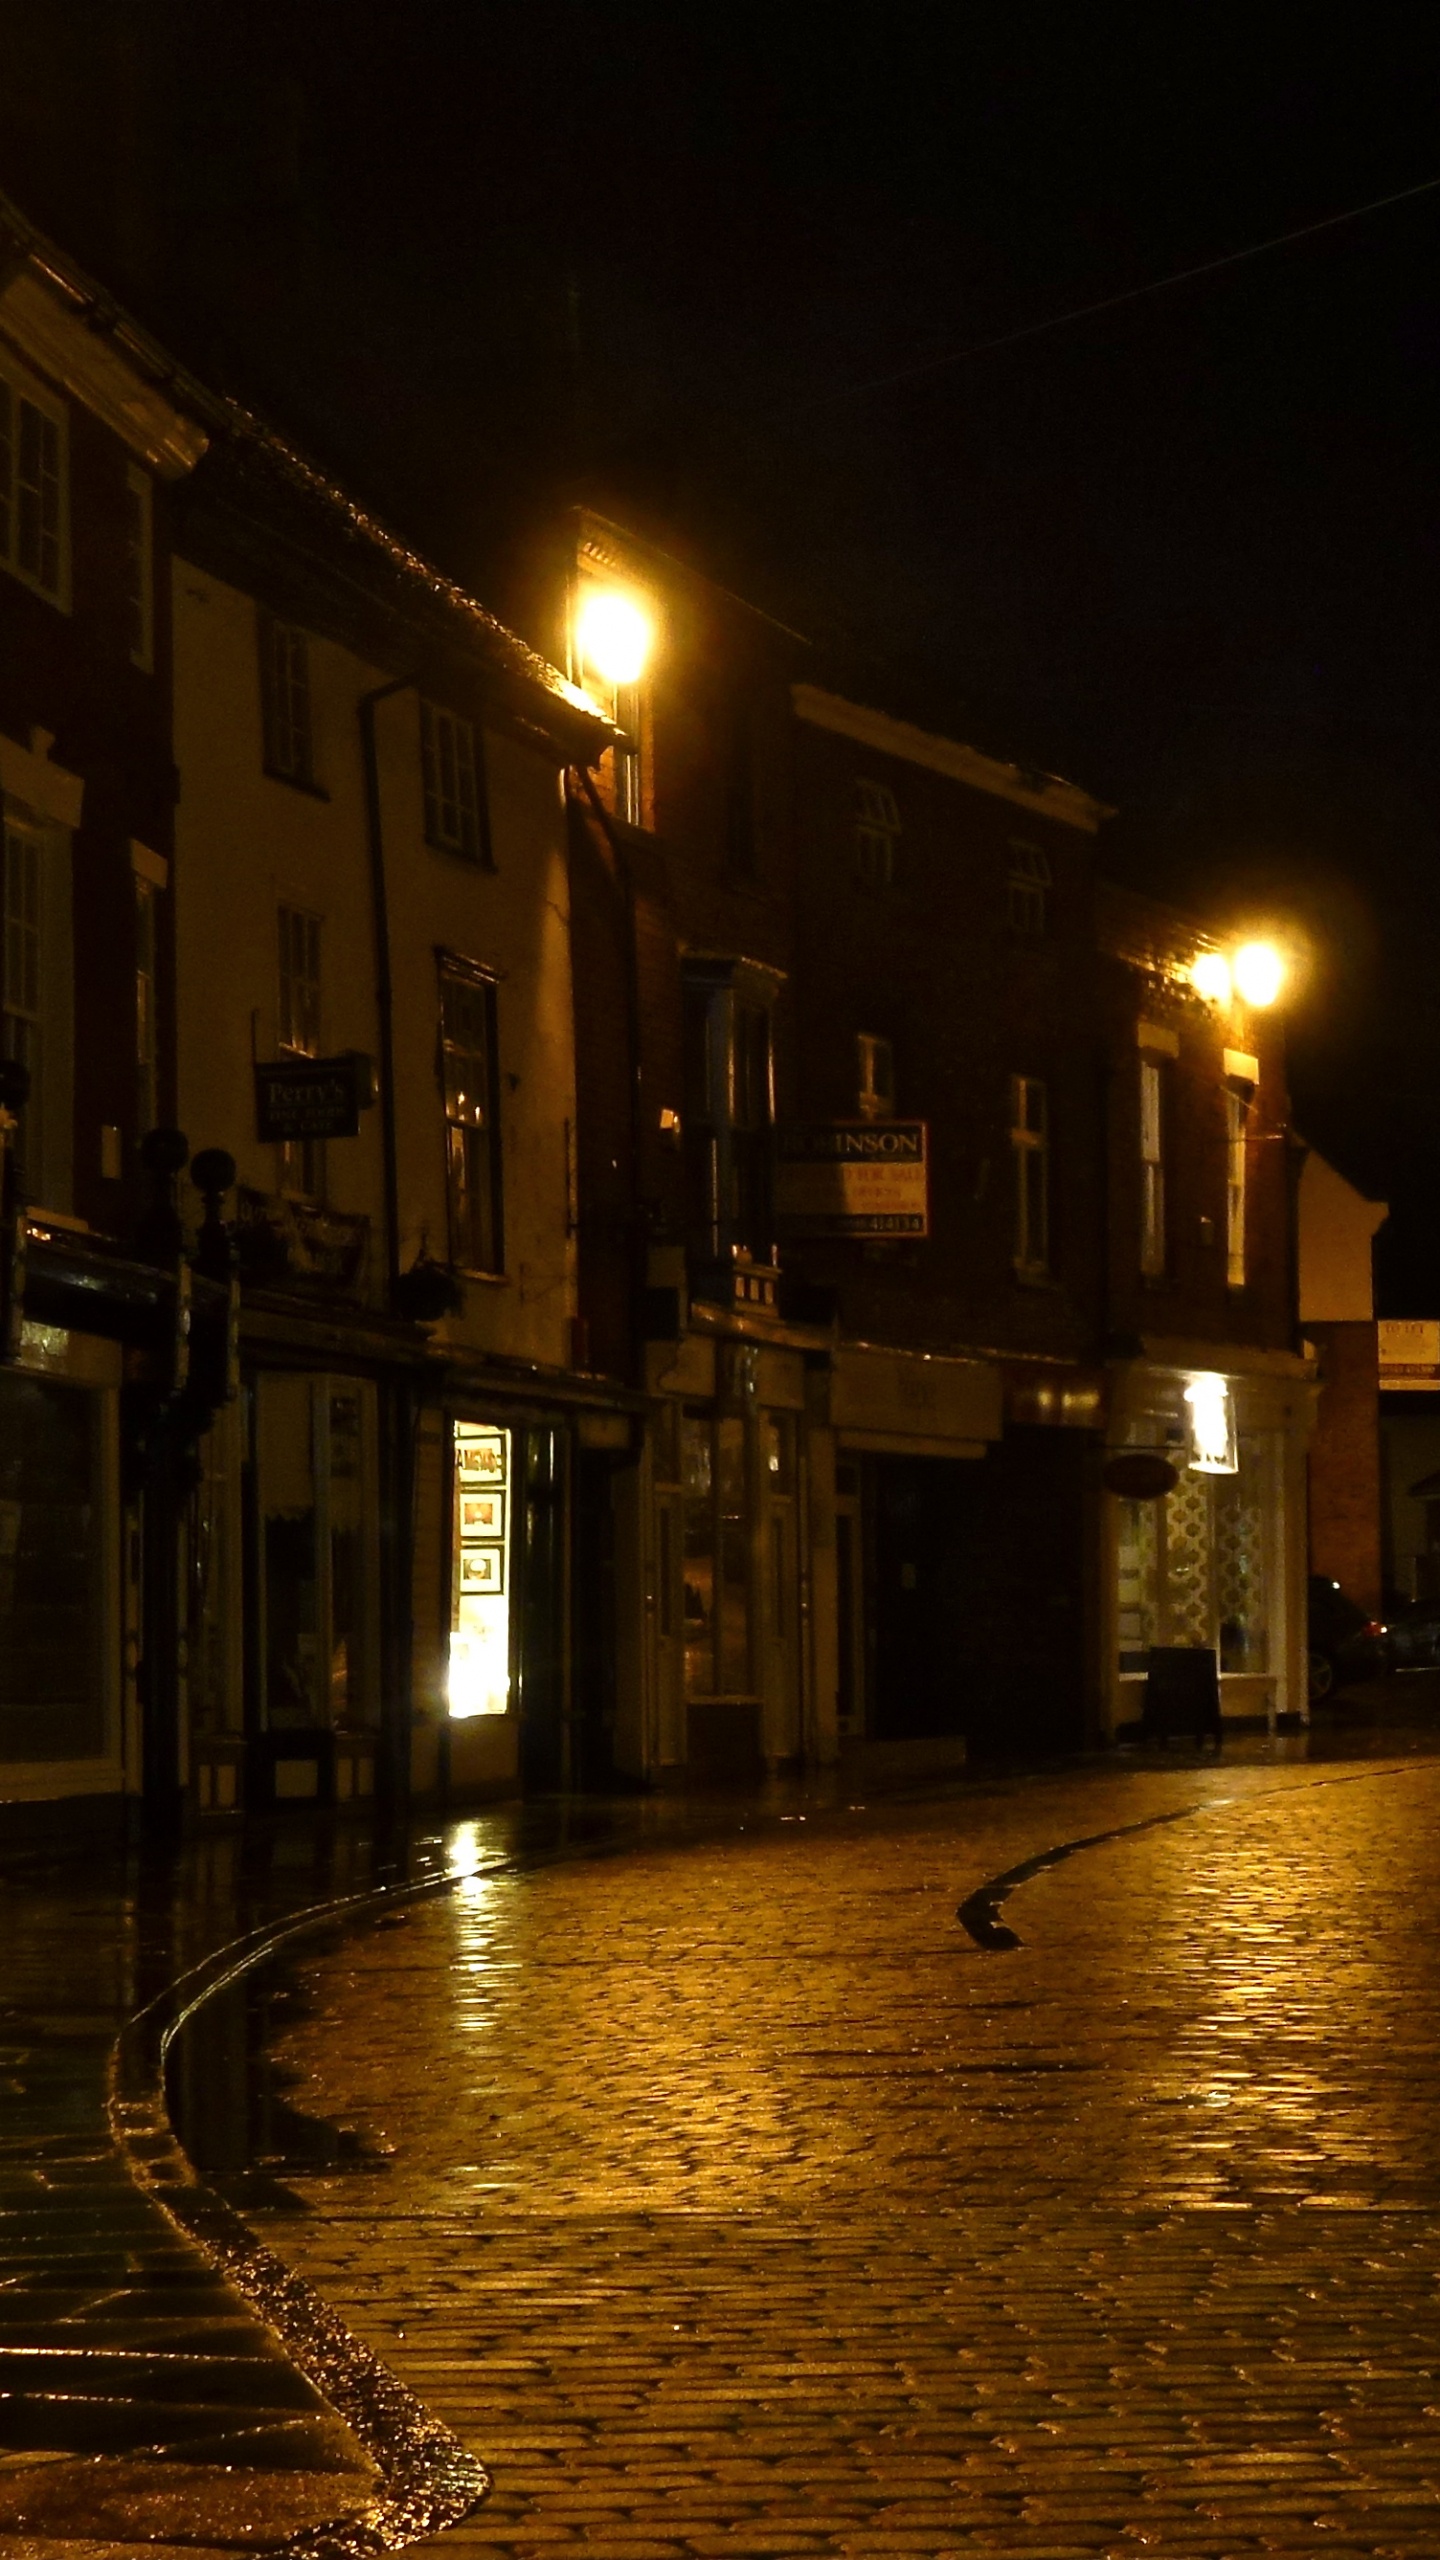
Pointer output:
1259, 973
614, 635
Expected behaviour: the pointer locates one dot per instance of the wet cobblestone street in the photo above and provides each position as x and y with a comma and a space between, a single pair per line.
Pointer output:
729, 2198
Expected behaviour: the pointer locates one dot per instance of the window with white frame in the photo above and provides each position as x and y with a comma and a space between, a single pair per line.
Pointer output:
139, 569
33, 529
453, 807
877, 834
875, 1076
285, 701
1028, 883
1030, 1148
1237, 1114
468, 1077
22, 981
1152, 1167
146, 1052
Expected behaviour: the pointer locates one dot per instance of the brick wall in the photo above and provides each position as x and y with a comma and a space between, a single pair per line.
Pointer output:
1345, 1462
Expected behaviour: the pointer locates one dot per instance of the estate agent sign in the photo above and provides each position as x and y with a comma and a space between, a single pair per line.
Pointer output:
853, 1178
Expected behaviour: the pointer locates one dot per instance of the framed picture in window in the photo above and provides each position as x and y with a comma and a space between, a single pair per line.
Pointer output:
481, 1460
482, 1571
482, 1516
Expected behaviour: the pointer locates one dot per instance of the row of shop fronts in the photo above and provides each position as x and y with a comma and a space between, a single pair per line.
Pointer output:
399, 1583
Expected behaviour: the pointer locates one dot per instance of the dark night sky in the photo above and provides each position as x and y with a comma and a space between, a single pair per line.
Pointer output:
1184, 551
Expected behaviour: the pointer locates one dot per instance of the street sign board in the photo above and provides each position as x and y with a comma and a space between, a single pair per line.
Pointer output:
853, 1178
311, 1097
1410, 1353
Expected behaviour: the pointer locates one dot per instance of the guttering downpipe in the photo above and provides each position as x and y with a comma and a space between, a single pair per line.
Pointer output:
384, 982
625, 876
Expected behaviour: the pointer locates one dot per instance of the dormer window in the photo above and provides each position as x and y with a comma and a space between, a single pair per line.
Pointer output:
877, 833
1028, 884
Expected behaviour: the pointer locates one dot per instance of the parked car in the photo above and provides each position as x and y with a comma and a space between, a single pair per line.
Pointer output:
1343, 1643
1415, 1634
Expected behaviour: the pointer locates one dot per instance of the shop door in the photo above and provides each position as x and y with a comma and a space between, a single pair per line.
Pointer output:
315, 1629
781, 1582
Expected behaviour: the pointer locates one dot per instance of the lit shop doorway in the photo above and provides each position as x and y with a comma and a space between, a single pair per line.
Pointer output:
315, 1634
508, 1589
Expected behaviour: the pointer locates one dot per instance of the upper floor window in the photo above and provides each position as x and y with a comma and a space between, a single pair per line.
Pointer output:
875, 1076
146, 1045
285, 701
469, 1078
729, 1109
22, 981
1028, 883
877, 834
1030, 1148
139, 569
1237, 1114
32, 485
1152, 1167
609, 648
454, 812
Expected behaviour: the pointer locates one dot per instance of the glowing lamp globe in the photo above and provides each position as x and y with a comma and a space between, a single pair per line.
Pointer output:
614, 635
1259, 973
1210, 976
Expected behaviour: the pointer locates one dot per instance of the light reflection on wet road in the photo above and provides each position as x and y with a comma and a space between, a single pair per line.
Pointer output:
733, 2200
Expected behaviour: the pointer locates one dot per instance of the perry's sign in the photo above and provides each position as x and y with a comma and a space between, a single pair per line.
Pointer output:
312, 1097
853, 1178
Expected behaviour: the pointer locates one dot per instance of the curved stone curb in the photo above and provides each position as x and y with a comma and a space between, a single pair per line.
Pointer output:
979, 1913
427, 2477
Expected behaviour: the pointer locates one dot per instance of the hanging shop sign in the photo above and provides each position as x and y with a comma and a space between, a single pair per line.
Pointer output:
1410, 1353
312, 1097
853, 1178
1141, 1475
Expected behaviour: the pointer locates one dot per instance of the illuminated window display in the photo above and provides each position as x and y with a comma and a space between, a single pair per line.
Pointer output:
480, 1577
1192, 1569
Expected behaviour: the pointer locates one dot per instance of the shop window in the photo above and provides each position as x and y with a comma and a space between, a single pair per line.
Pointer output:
1027, 889
454, 802
468, 1060
33, 527
875, 1076
1030, 1150
877, 834
479, 1681
139, 570
302, 1160
317, 1497
52, 1573
285, 702
729, 1113
1237, 1114
717, 1557
1152, 1167
1193, 1567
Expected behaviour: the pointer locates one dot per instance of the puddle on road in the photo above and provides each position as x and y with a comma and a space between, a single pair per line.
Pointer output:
231, 2102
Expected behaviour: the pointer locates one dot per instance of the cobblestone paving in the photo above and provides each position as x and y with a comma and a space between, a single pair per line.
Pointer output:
735, 2203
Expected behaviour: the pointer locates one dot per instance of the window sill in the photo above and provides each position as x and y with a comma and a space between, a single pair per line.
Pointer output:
296, 782
1032, 1275
487, 1279
477, 861
59, 596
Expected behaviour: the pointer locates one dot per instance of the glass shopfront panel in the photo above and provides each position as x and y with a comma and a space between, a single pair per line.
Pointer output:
480, 1582
52, 1572
1193, 1567
315, 1447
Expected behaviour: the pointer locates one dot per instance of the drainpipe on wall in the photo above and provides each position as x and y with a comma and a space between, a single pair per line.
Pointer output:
398, 1406
384, 983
